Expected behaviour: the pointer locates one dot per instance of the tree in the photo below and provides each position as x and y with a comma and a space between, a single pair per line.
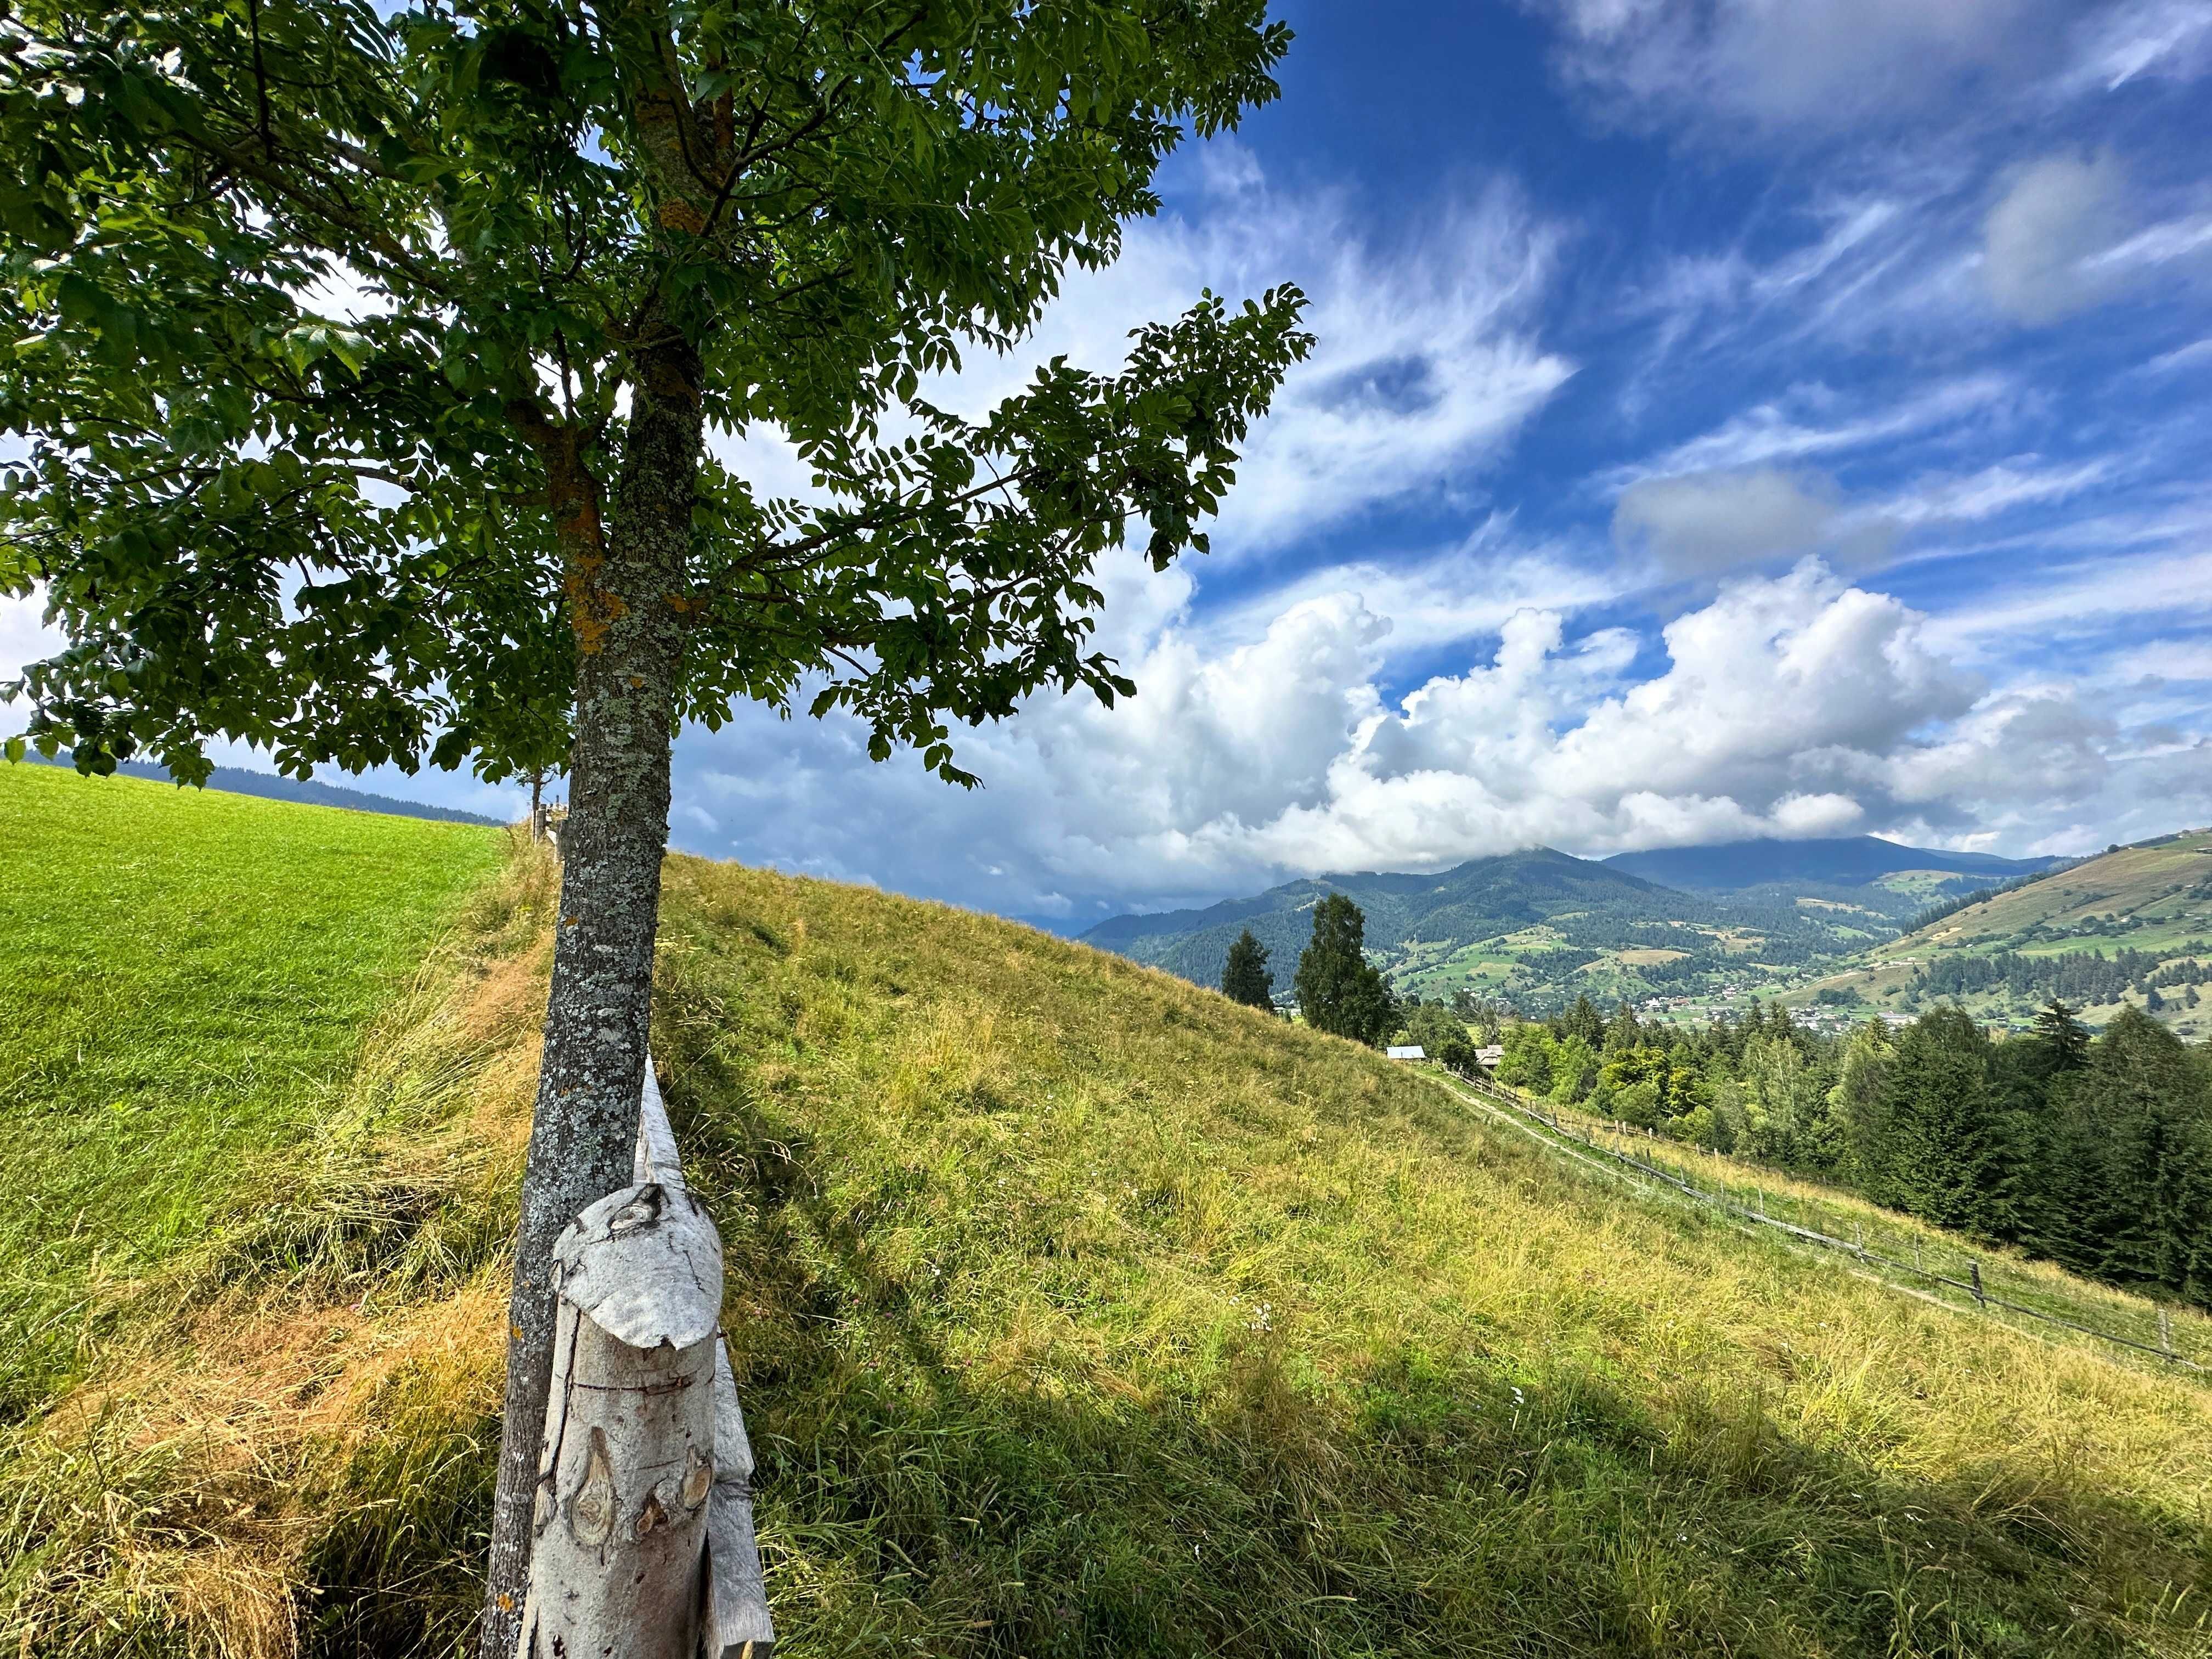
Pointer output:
1583, 1020
1947, 1156
1244, 976
471, 514
2150, 1113
1574, 1069
1434, 1027
1527, 1062
2062, 1037
1339, 990
1624, 1031
1856, 1106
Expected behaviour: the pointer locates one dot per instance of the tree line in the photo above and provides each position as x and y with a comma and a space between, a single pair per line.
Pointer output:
2083, 978
2095, 1152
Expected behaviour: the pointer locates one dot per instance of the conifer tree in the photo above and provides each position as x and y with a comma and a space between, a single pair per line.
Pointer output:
1946, 1153
1244, 975
1583, 1020
1339, 990
1624, 1031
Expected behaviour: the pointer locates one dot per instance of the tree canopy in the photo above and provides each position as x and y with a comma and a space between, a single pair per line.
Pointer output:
332, 324
1339, 990
1244, 975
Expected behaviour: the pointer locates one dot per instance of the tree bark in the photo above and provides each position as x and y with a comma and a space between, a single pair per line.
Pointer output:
624, 592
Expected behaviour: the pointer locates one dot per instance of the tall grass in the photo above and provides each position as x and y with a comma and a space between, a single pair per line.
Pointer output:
309, 1213
1077, 1312
185, 982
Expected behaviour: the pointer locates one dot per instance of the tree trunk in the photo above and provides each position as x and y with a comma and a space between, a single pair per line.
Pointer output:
622, 604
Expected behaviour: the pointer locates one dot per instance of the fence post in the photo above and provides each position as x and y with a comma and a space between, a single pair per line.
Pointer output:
644, 1546
628, 1459
2165, 1332
1974, 1268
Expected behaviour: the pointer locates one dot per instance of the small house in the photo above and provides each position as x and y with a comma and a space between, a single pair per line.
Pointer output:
1405, 1051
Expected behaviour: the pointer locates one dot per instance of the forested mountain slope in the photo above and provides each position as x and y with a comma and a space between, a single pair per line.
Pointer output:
1539, 927
1078, 1311
2132, 927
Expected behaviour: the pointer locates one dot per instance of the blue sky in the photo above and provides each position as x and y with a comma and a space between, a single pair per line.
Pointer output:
1730, 418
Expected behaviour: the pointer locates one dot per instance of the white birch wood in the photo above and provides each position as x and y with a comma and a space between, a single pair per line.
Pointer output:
737, 1624
628, 1459
657, 1157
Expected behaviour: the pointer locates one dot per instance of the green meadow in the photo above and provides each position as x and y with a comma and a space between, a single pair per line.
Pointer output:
185, 982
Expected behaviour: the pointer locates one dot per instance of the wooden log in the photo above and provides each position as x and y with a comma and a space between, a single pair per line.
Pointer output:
738, 1625
627, 1464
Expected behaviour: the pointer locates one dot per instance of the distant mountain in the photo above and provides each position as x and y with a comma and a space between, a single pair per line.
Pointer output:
1536, 927
1850, 861
235, 781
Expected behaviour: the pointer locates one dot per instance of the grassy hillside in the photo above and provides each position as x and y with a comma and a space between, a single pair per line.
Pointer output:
2153, 902
1079, 1313
185, 980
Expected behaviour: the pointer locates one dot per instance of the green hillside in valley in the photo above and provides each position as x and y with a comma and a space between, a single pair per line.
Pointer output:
2133, 926
186, 981
1538, 928
1077, 1312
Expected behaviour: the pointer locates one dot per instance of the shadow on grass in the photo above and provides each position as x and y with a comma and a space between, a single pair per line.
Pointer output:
929, 1486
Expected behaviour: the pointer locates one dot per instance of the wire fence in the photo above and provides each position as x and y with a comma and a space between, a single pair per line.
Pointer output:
1902, 1252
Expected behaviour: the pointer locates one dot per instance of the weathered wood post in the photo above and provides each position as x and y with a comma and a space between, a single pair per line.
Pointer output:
2166, 1331
1974, 1269
643, 1545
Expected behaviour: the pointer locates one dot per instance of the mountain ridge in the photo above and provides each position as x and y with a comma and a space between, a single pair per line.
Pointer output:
1537, 926
1846, 860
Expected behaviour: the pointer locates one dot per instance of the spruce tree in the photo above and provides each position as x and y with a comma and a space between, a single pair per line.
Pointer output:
1339, 990
1624, 1032
1583, 1020
1947, 1155
2147, 1106
2064, 1039
1244, 976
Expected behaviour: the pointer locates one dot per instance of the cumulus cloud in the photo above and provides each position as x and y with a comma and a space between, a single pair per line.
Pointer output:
1759, 67
1792, 704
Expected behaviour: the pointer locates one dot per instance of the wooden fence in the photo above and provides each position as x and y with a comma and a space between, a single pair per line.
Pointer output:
643, 1544
1893, 1270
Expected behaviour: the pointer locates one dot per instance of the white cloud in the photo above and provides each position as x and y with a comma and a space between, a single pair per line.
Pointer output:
2044, 232
2169, 38
23, 639
1770, 65
1710, 522
1428, 360
1793, 704
1805, 424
